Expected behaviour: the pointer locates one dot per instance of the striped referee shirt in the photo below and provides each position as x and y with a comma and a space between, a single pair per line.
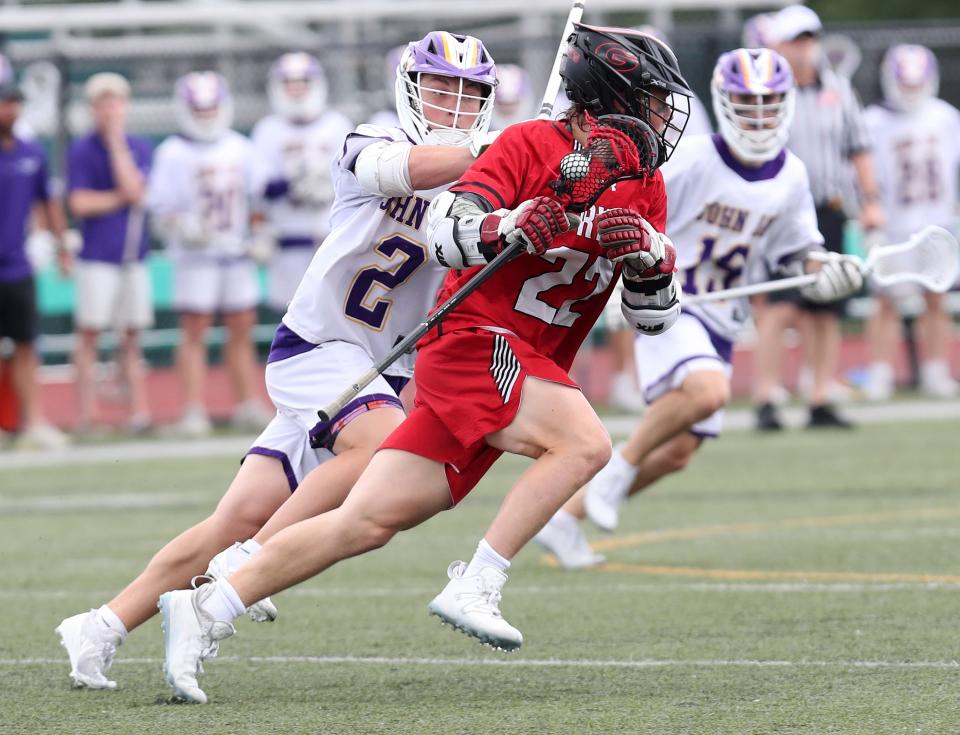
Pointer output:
827, 129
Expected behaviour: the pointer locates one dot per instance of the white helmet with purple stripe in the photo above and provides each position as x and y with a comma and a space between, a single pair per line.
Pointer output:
909, 76
753, 99
297, 87
450, 55
204, 105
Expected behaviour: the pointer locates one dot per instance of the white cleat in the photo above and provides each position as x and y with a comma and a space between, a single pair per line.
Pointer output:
91, 647
226, 563
604, 496
190, 635
563, 537
472, 606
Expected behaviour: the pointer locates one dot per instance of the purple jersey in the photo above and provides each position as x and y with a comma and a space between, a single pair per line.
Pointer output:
106, 238
23, 181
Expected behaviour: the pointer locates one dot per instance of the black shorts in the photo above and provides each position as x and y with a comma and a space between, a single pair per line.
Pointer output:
831, 220
18, 311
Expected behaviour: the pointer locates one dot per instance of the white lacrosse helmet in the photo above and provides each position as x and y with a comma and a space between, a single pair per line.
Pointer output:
444, 54
909, 76
297, 87
755, 126
203, 105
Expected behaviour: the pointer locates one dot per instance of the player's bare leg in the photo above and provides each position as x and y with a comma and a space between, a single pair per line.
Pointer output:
84, 360
936, 328
131, 360
883, 333
192, 368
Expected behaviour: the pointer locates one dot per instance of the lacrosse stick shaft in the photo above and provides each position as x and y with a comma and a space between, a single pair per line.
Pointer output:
409, 341
554, 81
751, 290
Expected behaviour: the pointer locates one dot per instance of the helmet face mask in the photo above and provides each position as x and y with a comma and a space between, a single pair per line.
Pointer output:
203, 106
626, 72
445, 87
297, 87
753, 98
909, 77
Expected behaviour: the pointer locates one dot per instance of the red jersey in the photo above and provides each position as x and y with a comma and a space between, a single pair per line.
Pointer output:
552, 300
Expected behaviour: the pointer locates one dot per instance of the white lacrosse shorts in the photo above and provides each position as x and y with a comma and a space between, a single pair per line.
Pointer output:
207, 285
284, 272
301, 379
112, 296
664, 361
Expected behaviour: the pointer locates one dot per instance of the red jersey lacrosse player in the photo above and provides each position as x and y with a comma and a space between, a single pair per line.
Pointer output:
493, 377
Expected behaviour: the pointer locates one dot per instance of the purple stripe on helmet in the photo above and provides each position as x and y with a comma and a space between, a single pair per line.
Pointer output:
203, 89
426, 56
754, 71
295, 66
913, 65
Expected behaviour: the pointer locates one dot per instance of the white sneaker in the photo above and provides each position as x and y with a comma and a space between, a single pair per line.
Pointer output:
472, 606
91, 647
607, 491
251, 415
936, 381
190, 635
194, 423
563, 537
226, 563
42, 436
625, 395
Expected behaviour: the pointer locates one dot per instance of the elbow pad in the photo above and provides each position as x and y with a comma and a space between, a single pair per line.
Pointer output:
651, 305
460, 233
383, 169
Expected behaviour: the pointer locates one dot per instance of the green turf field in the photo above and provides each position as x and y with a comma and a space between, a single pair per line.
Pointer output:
803, 583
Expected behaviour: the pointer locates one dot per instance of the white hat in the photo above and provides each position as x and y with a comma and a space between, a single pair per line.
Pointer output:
795, 20
106, 83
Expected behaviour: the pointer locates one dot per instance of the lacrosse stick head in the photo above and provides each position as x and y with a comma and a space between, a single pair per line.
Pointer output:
930, 258
619, 147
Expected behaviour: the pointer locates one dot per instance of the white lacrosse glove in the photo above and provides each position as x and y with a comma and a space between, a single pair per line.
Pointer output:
311, 187
261, 245
41, 249
839, 276
480, 141
191, 231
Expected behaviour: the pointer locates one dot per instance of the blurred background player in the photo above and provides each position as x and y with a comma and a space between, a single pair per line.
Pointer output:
199, 193
296, 145
917, 152
21, 128
515, 100
24, 195
625, 393
738, 207
331, 333
107, 172
387, 116
827, 132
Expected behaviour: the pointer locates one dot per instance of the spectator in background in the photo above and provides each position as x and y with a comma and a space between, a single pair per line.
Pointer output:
107, 172
296, 145
827, 131
199, 194
514, 101
917, 150
21, 128
24, 190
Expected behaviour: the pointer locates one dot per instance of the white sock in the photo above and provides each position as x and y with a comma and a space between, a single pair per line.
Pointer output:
109, 618
564, 518
251, 547
224, 604
486, 556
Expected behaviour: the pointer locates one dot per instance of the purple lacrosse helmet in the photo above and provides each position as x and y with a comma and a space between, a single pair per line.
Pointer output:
753, 99
204, 105
297, 87
450, 55
909, 76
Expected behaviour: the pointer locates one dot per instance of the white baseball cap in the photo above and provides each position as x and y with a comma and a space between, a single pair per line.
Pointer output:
795, 20
105, 83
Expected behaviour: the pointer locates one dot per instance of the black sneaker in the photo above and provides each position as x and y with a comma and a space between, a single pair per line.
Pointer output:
767, 418
826, 417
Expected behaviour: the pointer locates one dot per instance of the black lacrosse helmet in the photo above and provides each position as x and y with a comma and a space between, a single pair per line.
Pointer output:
626, 72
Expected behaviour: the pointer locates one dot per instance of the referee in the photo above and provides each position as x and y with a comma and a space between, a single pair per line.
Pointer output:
829, 135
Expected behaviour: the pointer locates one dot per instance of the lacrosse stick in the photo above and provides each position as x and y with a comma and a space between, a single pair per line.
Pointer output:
508, 253
930, 258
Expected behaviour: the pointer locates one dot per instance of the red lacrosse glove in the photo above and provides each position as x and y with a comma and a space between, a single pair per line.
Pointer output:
536, 222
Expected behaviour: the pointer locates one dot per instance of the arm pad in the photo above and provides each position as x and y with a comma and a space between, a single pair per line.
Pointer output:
382, 168
458, 228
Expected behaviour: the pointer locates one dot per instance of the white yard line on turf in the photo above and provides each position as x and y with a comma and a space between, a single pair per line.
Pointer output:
236, 446
566, 589
526, 662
